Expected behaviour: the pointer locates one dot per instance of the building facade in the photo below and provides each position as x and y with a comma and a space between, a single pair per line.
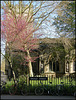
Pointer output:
47, 64
59, 65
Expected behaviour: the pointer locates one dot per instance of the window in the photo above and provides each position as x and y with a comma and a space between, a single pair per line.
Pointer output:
67, 66
53, 66
50, 66
57, 66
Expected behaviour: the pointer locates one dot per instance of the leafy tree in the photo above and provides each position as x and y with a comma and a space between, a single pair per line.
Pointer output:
65, 22
18, 67
36, 12
14, 32
65, 26
18, 35
56, 50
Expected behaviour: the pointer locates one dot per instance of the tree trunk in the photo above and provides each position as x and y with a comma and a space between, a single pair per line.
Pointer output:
10, 67
29, 64
14, 77
30, 68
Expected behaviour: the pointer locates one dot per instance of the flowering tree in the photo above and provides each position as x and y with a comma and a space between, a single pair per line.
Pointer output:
19, 35
18, 20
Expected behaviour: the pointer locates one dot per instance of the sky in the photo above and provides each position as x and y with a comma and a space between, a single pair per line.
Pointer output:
48, 30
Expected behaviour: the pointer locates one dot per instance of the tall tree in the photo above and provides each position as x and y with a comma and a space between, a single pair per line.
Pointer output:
22, 17
36, 11
65, 21
19, 35
65, 25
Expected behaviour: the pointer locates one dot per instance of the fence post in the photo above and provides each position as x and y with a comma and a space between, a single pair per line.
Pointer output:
27, 80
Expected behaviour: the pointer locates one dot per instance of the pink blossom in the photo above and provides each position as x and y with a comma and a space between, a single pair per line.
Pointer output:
19, 33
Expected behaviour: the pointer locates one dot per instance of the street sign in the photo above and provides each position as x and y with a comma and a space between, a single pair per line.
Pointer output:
38, 78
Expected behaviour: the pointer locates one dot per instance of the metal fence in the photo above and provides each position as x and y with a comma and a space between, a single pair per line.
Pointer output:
44, 85
52, 85
55, 81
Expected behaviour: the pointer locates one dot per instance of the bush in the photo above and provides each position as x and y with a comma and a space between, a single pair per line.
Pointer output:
31, 88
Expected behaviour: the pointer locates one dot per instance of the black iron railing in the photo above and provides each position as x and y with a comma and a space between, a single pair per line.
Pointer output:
59, 85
